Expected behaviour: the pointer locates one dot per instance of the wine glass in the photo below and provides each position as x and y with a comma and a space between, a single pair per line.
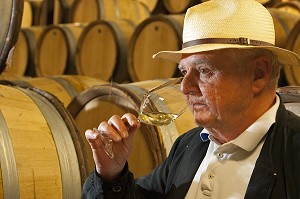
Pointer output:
160, 106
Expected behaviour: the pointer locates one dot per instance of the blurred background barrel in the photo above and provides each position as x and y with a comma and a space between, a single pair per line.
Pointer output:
151, 144
292, 73
64, 87
154, 34
10, 23
269, 3
41, 153
284, 22
23, 57
62, 11
42, 11
154, 6
92, 10
27, 19
56, 48
102, 50
292, 6
177, 7
38, 12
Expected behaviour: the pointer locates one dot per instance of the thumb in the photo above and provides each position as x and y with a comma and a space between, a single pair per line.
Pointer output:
93, 138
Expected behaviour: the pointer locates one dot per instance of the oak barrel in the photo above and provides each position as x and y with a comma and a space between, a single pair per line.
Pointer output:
92, 10
41, 153
62, 11
159, 32
27, 18
176, 7
292, 73
23, 57
37, 13
284, 22
10, 22
154, 6
56, 48
291, 6
102, 50
32, 35
269, 3
64, 87
151, 144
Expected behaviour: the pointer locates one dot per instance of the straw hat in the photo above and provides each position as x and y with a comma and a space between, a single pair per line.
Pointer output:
220, 24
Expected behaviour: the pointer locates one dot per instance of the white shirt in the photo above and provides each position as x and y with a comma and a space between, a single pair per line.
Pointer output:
226, 169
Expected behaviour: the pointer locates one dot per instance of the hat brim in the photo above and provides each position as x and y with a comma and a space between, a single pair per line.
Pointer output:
286, 57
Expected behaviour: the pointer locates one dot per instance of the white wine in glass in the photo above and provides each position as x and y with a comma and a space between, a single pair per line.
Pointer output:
159, 107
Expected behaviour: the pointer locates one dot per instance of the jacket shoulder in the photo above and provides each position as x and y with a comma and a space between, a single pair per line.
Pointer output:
293, 122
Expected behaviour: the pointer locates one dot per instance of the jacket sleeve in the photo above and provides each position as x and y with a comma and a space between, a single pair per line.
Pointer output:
150, 186
96, 188
147, 187
155, 185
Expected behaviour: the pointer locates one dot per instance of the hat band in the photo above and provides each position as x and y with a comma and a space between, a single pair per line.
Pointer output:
240, 41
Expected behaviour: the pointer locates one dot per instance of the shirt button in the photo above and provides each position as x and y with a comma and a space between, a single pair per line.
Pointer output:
211, 176
117, 189
220, 155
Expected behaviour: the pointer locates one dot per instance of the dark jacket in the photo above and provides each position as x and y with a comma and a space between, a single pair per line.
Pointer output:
276, 173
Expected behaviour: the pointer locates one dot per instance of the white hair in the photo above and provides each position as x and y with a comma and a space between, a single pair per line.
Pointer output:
241, 55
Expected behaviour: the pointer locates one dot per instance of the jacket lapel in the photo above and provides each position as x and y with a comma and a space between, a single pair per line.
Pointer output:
194, 154
263, 176
266, 180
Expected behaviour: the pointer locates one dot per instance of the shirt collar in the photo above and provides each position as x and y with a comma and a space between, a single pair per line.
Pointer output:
249, 139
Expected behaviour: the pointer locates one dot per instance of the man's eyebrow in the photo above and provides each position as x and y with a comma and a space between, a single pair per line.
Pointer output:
194, 61
180, 66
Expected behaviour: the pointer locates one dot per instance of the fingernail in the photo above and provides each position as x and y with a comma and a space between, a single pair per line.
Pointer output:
94, 136
124, 134
118, 138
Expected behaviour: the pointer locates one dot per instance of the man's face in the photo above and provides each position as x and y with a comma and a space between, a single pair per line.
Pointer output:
217, 87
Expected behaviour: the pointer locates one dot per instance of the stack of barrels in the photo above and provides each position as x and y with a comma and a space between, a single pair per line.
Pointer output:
114, 40
77, 63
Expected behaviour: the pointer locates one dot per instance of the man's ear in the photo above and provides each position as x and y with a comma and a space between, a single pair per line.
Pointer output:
262, 73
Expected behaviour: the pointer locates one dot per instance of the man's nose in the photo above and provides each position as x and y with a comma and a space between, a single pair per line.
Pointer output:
188, 84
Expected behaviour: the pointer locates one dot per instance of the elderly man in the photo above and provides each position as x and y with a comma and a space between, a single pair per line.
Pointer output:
247, 144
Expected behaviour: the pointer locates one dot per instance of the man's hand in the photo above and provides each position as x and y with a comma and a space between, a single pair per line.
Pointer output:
121, 130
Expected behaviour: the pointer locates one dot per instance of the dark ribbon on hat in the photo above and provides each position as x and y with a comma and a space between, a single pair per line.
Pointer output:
240, 41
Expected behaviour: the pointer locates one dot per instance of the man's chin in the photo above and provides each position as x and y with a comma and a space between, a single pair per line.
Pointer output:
203, 118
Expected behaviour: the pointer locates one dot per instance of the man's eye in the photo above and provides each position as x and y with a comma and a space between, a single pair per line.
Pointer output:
183, 72
204, 71
205, 74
